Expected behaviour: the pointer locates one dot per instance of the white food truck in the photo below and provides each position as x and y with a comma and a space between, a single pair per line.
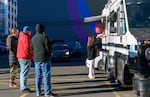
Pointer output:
125, 54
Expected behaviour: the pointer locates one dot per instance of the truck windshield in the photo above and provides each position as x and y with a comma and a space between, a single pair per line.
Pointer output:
138, 12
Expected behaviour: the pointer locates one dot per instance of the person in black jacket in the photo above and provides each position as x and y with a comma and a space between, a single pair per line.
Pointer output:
91, 54
41, 47
12, 41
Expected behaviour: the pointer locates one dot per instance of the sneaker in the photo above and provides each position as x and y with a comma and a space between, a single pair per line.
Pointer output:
91, 77
51, 95
47, 95
13, 84
27, 90
38, 95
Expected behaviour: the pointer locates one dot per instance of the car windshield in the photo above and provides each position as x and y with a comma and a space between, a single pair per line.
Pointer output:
59, 47
138, 12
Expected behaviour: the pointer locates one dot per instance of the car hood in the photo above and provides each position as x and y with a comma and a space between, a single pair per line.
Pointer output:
141, 33
61, 51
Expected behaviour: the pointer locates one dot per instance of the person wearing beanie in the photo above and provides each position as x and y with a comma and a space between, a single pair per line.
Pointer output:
24, 55
41, 47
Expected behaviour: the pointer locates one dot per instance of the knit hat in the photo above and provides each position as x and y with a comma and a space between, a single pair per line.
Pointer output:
26, 28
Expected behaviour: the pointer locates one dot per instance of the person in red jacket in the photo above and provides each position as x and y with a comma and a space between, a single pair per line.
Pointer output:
24, 55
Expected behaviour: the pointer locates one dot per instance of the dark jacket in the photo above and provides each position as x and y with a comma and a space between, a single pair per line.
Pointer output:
40, 45
13, 41
92, 50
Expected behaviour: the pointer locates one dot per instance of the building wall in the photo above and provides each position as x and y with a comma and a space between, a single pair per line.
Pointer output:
2, 19
8, 16
12, 13
63, 18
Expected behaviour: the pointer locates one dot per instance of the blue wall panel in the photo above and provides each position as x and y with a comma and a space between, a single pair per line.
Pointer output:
63, 18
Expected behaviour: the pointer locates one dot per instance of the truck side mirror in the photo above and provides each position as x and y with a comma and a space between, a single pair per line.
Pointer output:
113, 30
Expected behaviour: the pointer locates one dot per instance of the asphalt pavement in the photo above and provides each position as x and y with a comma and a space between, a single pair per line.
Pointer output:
69, 79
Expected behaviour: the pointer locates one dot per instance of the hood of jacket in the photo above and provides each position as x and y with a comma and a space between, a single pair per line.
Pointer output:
22, 34
40, 28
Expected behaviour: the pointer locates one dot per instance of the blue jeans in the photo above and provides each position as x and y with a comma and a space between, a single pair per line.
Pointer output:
24, 67
43, 68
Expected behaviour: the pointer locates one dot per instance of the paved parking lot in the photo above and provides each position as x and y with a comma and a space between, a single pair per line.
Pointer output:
69, 79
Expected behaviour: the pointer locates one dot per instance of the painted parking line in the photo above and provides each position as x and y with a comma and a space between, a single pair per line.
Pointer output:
54, 78
58, 79
115, 93
25, 94
67, 79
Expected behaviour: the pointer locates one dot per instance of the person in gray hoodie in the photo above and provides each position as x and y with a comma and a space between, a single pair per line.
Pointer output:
41, 47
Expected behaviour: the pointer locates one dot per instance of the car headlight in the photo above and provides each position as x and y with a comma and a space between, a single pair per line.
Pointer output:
67, 53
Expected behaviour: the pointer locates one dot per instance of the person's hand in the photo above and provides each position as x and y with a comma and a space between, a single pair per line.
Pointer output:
29, 32
99, 36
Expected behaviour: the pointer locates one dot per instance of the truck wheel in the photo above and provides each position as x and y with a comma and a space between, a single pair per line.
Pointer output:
109, 74
127, 76
101, 65
142, 94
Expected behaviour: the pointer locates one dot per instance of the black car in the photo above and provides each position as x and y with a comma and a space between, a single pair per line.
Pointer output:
60, 51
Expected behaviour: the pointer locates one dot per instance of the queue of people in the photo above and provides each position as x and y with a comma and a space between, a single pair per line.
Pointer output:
22, 51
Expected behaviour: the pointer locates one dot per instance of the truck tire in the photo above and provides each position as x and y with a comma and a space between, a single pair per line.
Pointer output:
109, 74
143, 94
101, 65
